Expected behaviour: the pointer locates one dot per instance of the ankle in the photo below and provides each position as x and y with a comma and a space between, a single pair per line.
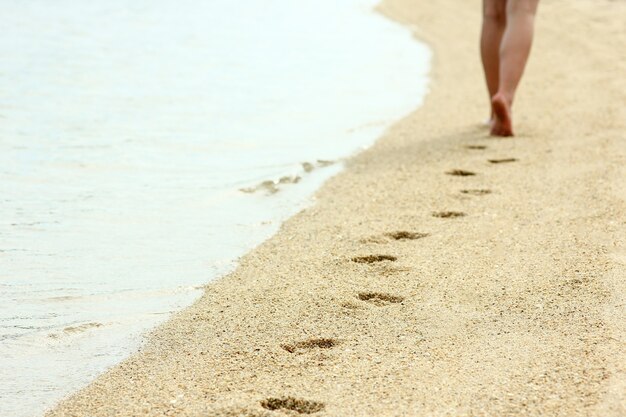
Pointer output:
507, 98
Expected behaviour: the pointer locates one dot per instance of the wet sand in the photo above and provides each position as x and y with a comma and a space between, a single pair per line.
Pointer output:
414, 289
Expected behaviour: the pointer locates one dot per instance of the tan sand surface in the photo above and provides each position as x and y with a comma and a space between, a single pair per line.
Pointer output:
514, 304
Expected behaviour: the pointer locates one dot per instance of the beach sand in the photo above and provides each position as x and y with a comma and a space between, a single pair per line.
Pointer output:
503, 295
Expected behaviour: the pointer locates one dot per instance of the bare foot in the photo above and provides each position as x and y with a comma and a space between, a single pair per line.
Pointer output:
503, 125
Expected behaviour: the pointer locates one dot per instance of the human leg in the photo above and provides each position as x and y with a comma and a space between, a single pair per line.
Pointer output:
514, 50
494, 23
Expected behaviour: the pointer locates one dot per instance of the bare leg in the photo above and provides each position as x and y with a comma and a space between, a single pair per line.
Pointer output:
494, 22
514, 51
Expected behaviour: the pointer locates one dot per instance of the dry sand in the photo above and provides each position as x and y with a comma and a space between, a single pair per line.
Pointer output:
515, 308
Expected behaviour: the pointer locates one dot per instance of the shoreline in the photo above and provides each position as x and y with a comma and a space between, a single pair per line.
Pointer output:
120, 201
512, 309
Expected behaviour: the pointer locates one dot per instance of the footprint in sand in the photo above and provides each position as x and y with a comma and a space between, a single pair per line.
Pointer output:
476, 192
404, 235
322, 343
502, 160
398, 235
351, 308
298, 405
370, 259
460, 173
379, 299
448, 214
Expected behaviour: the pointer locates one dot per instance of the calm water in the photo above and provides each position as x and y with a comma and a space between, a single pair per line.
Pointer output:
127, 131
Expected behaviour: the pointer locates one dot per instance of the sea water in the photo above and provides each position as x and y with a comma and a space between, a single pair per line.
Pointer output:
145, 145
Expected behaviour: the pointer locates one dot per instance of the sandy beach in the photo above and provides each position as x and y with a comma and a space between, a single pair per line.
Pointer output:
443, 272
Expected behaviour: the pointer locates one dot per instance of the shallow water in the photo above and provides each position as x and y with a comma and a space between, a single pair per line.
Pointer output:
127, 131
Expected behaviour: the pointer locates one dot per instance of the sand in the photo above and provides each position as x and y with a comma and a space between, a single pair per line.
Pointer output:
377, 301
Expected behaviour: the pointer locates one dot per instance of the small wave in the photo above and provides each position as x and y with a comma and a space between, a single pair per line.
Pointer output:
81, 328
273, 186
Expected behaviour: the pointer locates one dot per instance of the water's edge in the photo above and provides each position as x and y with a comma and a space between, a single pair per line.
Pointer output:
124, 333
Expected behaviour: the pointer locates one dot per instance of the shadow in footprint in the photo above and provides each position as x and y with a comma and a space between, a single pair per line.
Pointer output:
476, 192
404, 235
322, 343
502, 160
476, 147
399, 235
448, 214
370, 259
379, 299
350, 308
460, 173
298, 405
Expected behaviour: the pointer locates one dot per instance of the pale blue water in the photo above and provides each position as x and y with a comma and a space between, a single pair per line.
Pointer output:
128, 128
